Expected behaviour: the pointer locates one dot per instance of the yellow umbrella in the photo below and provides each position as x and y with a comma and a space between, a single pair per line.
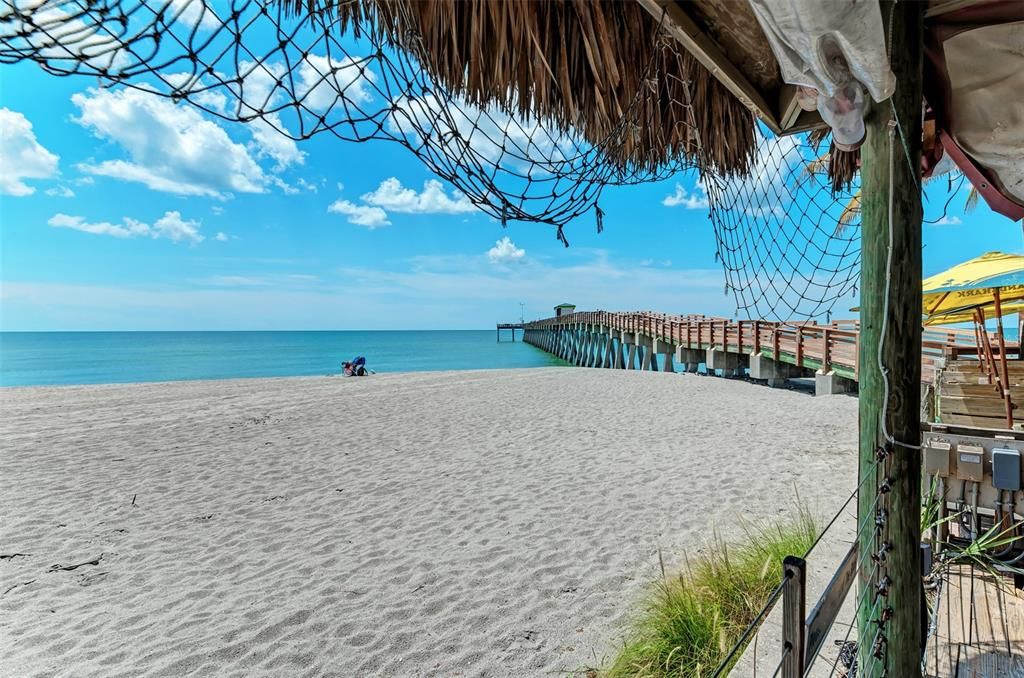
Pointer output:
953, 295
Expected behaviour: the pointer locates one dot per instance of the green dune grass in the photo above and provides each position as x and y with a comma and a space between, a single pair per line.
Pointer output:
690, 621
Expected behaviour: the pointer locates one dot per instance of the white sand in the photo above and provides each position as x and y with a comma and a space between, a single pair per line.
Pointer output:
499, 523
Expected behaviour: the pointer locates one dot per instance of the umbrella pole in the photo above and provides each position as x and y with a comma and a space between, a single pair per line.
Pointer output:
1002, 358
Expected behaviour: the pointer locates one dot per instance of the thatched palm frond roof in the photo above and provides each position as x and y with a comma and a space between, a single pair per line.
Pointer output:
603, 69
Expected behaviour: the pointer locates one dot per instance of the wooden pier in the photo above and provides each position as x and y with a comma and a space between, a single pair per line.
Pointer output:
773, 351
977, 626
509, 326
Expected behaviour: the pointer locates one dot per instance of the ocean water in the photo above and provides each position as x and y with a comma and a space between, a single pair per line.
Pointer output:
63, 358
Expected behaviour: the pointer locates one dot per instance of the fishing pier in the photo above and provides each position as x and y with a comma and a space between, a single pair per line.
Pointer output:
772, 352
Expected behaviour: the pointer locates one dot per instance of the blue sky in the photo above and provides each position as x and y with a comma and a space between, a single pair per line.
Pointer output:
123, 211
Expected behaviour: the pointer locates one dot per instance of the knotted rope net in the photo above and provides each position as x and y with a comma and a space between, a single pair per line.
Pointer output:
786, 230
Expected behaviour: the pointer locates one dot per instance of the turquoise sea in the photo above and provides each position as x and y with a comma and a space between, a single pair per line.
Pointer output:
62, 358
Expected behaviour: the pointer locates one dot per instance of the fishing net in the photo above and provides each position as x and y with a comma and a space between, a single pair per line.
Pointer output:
302, 74
787, 237
786, 229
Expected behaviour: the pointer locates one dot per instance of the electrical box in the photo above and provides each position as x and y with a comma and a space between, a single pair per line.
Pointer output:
1006, 469
970, 462
936, 458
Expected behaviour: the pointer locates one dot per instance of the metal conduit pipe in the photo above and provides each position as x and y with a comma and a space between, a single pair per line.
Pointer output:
975, 526
1000, 518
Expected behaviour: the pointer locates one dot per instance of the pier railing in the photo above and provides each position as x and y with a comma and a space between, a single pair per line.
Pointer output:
831, 347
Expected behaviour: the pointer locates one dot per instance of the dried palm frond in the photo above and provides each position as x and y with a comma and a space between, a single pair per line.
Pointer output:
817, 135
818, 165
843, 168
972, 199
850, 212
601, 68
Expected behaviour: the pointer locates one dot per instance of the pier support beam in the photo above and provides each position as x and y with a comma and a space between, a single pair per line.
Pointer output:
668, 353
645, 348
830, 383
620, 360
763, 368
629, 339
690, 358
731, 364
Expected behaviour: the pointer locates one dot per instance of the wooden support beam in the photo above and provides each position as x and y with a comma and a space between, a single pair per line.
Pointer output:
687, 33
891, 272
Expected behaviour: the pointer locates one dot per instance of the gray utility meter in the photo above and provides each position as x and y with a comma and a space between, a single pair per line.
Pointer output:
1005, 469
970, 462
936, 458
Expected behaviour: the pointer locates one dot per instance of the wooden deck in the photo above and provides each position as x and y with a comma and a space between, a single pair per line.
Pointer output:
977, 630
831, 347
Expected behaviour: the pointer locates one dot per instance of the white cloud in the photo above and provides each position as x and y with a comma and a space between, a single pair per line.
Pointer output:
487, 133
21, 155
691, 201
391, 195
361, 215
46, 28
324, 80
217, 209
946, 220
173, 148
308, 185
221, 236
506, 252
194, 13
169, 227
128, 229
60, 192
176, 229
268, 142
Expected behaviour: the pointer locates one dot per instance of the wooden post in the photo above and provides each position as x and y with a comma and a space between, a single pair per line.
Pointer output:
1002, 358
891, 257
826, 351
794, 603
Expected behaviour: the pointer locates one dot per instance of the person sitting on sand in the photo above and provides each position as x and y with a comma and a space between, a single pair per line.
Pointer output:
354, 368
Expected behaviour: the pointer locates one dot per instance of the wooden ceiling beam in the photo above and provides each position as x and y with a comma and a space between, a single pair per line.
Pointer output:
687, 33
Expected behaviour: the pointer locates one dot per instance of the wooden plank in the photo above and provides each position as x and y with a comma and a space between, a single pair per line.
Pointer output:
975, 407
979, 627
968, 420
824, 613
966, 390
789, 109
687, 33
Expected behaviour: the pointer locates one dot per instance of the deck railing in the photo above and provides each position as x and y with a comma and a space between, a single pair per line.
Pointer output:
806, 344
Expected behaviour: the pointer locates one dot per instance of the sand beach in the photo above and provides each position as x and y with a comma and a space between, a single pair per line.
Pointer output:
479, 523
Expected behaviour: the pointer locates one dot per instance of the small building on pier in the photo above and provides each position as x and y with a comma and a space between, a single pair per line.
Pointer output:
564, 309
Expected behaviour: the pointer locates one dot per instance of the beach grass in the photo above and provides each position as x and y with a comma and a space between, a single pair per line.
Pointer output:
689, 622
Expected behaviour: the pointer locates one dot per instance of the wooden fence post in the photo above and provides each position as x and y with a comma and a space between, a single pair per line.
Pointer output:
794, 571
